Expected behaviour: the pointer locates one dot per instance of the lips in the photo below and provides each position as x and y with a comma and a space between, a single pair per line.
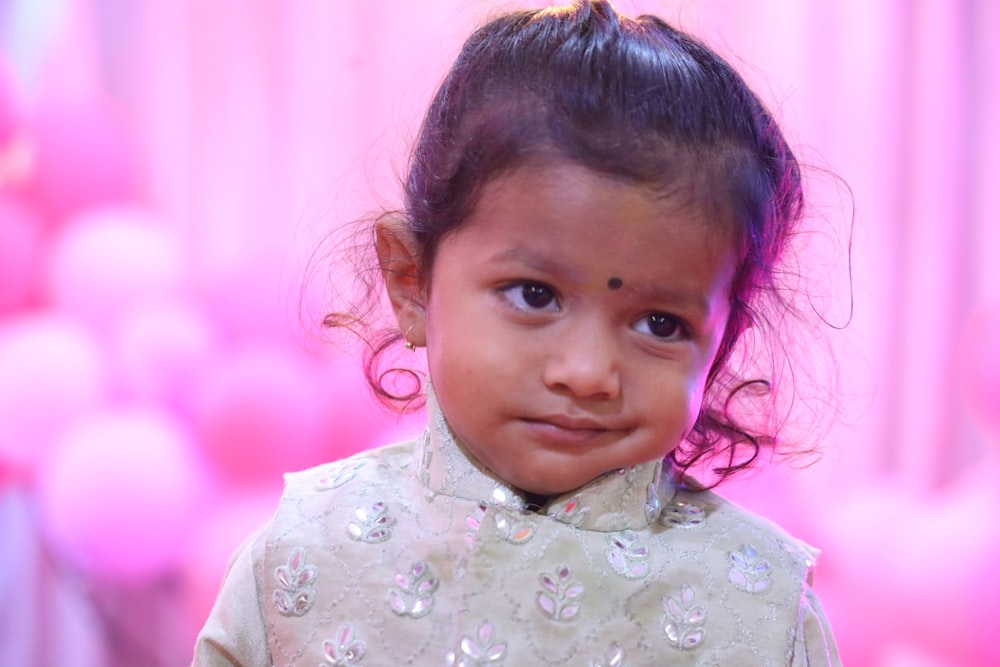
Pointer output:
562, 429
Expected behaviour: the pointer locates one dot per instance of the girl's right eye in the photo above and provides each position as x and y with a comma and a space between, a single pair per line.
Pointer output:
531, 296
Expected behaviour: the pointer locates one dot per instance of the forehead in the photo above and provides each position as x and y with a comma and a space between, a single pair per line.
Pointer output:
558, 214
559, 195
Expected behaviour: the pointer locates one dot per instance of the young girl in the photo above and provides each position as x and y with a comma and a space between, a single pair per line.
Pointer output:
594, 214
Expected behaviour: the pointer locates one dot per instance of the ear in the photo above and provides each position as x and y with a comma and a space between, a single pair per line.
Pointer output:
399, 259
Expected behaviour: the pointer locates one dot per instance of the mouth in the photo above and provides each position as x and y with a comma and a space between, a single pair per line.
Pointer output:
562, 429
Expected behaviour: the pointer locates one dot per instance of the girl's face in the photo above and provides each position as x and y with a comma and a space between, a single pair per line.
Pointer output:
570, 323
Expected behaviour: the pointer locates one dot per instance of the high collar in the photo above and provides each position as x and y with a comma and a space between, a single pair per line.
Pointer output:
629, 498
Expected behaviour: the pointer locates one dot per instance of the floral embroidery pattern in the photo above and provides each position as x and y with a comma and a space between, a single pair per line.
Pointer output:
371, 525
570, 511
513, 528
749, 572
560, 596
682, 513
474, 521
295, 593
414, 592
684, 620
344, 649
615, 657
627, 555
479, 650
338, 475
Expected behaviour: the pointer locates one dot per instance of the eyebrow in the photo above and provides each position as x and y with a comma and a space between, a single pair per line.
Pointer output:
691, 300
541, 263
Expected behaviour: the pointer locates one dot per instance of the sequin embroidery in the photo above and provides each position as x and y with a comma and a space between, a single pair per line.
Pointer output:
295, 592
749, 572
474, 521
627, 555
513, 527
371, 525
614, 657
682, 513
684, 620
569, 511
338, 475
560, 596
345, 649
414, 592
479, 650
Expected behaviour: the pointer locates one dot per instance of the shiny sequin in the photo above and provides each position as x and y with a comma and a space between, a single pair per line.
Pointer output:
414, 592
478, 650
425, 462
371, 525
683, 513
614, 657
684, 620
514, 528
474, 521
749, 572
560, 596
627, 555
570, 511
345, 649
295, 592
338, 475
504, 497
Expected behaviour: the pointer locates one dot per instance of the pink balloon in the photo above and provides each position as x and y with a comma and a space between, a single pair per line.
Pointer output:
53, 371
120, 492
261, 412
83, 157
161, 349
107, 260
21, 232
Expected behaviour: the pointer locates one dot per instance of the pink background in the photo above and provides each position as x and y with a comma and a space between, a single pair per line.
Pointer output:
170, 173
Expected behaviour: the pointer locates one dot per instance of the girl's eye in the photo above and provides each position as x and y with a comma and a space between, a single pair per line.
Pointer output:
661, 325
531, 296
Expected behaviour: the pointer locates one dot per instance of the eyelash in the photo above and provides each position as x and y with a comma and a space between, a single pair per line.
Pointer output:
517, 295
519, 290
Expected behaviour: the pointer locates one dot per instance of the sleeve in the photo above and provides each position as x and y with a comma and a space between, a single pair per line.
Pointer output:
813, 645
234, 634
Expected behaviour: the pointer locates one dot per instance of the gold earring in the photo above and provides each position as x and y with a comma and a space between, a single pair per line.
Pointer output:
409, 344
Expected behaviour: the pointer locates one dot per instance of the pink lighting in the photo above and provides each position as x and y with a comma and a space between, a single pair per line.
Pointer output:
171, 174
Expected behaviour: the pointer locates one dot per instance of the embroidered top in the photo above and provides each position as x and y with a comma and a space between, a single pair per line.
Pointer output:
416, 554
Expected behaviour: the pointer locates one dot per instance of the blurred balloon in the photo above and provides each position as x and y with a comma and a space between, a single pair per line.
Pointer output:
260, 412
161, 349
120, 491
53, 371
109, 259
913, 568
249, 300
978, 367
82, 158
21, 236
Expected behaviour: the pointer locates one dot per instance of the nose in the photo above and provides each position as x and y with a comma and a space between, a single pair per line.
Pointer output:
585, 365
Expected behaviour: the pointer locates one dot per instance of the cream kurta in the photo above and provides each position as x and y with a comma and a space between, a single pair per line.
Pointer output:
415, 554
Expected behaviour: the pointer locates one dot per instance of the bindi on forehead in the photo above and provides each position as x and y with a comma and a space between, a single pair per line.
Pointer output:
614, 282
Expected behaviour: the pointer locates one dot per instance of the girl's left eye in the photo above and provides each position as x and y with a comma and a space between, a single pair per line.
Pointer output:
531, 296
662, 326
